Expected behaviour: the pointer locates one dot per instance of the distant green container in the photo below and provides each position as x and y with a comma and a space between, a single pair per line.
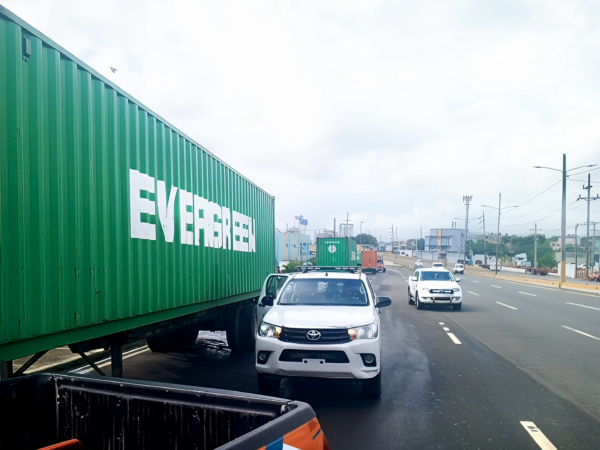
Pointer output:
359, 258
336, 252
110, 217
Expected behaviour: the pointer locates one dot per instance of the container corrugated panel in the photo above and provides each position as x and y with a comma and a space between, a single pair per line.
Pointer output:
107, 212
336, 252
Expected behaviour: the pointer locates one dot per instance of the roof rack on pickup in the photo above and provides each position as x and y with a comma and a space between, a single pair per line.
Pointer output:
351, 269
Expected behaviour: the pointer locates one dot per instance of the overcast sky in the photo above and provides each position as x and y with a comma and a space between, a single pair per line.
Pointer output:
388, 110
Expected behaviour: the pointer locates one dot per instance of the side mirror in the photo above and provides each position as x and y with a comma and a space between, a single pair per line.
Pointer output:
457, 280
413, 278
268, 300
382, 302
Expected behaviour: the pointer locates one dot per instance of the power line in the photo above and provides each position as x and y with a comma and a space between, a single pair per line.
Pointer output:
547, 217
541, 209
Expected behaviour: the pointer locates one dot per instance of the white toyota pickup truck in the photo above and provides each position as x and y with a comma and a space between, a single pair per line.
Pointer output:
323, 323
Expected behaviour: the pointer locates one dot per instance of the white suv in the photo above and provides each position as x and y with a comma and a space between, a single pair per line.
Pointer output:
322, 324
434, 286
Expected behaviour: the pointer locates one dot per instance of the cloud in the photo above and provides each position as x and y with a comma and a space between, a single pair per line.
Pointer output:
390, 111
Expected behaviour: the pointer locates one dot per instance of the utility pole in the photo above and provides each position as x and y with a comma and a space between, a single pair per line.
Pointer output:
535, 230
347, 224
334, 228
588, 200
563, 224
576, 245
498, 237
467, 200
484, 239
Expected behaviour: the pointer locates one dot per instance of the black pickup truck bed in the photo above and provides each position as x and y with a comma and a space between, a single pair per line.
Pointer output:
110, 413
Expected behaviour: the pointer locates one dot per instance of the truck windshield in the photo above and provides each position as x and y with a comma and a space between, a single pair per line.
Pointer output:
380, 261
324, 292
436, 276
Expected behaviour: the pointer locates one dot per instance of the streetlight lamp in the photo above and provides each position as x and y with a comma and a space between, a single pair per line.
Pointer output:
563, 222
499, 209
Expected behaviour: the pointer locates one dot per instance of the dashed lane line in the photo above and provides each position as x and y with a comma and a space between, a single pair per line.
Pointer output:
450, 335
475, 281
581, 332
527, 293
511, 307
537, 435
494, 286
454, 338
583, 306
473, 293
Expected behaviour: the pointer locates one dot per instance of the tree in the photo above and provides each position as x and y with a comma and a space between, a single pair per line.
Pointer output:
365, 238
421, 244
291, 266
547, 260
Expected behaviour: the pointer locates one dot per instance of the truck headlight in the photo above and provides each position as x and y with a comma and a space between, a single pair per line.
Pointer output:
268, 330
456, 291
366, 332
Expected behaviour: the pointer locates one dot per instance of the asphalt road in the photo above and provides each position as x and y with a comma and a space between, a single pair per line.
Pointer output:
514, 354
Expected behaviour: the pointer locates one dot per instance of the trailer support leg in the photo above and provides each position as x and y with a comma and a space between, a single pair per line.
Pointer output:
116, 360
93, 365
30, 362
6, 370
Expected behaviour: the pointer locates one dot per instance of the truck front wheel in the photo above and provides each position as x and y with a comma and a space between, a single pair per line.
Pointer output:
371, 388
268, 386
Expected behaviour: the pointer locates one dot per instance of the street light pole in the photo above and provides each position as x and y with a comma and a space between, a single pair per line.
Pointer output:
563, 222
484, 239
467, 199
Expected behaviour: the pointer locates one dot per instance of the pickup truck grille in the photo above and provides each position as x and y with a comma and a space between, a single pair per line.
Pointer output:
440, 291
332, 357
299, 335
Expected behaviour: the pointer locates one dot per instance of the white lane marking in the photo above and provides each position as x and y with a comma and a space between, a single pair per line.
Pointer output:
537, 435
583, 306
475, 281
527, 293
473, 293
511, 307
441, 323
106, 362
497, 287
581, 332
454, 338
446, 329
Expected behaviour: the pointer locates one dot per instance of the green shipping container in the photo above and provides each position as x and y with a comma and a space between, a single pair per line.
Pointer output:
110, 217
336, 252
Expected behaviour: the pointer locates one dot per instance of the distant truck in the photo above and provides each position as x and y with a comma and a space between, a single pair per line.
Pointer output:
380, 264
127, 228
339, 251
81, 412
369, 261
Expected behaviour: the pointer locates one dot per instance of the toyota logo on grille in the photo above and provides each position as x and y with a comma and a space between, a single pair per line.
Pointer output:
313, 335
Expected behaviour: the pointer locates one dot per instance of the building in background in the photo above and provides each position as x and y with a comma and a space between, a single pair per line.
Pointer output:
292, 245
445, 243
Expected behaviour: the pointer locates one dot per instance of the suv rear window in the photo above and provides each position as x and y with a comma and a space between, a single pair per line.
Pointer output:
436, 276
324, 292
